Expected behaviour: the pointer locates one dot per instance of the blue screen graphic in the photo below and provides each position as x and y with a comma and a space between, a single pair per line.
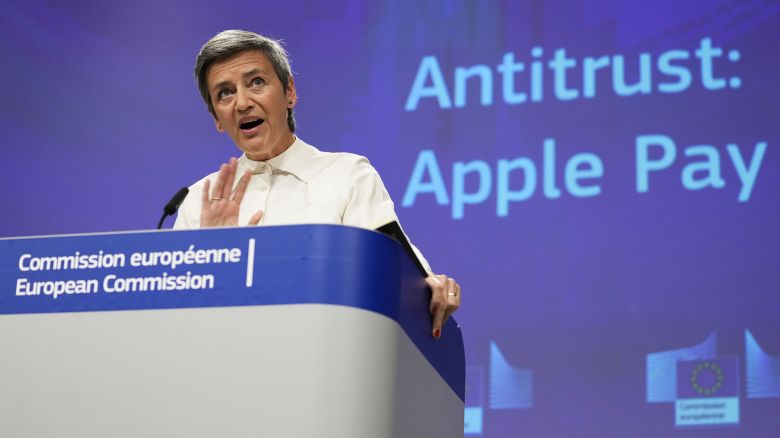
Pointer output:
602, 177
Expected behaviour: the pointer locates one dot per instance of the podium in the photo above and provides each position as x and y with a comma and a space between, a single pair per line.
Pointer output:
295, 331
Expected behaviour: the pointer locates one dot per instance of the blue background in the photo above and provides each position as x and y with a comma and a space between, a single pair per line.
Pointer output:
101, 123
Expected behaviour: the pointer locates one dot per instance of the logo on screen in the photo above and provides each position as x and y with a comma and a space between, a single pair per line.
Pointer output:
705, 387
707, 392
707, 378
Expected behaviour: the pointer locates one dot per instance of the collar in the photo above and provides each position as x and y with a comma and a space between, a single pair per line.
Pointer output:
295, 160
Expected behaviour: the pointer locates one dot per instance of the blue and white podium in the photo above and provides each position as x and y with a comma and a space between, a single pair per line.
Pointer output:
298, 331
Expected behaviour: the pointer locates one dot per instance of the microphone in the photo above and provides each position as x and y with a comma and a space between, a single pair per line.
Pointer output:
173, 205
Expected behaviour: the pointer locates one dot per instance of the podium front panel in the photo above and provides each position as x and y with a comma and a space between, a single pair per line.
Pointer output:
301, 331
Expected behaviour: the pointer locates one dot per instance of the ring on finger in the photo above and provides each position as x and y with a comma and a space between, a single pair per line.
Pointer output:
451, 294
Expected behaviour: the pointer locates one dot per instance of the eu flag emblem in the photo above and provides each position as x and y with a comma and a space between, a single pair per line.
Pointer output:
707, 392
708, 378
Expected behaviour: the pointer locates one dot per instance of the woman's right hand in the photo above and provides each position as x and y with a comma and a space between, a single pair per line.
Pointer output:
220, 206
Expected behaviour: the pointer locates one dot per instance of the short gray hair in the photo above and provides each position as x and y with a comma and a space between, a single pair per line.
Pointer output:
229, 42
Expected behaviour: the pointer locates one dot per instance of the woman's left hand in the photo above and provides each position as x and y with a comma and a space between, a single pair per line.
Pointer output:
445, 299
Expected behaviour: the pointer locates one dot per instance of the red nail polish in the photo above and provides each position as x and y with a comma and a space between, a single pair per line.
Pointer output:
436, 333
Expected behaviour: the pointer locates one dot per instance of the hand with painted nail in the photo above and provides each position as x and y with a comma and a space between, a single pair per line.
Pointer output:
445, 299
221, 205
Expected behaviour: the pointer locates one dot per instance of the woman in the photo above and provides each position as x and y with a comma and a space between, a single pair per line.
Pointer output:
247, 84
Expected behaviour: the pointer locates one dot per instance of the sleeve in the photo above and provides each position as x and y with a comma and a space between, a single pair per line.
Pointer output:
182, 223
420, 257
370, 205
188, 216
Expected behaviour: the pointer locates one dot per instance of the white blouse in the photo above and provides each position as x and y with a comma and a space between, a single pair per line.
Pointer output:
305, 185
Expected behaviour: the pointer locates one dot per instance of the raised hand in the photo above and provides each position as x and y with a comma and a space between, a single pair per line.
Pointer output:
220, 206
